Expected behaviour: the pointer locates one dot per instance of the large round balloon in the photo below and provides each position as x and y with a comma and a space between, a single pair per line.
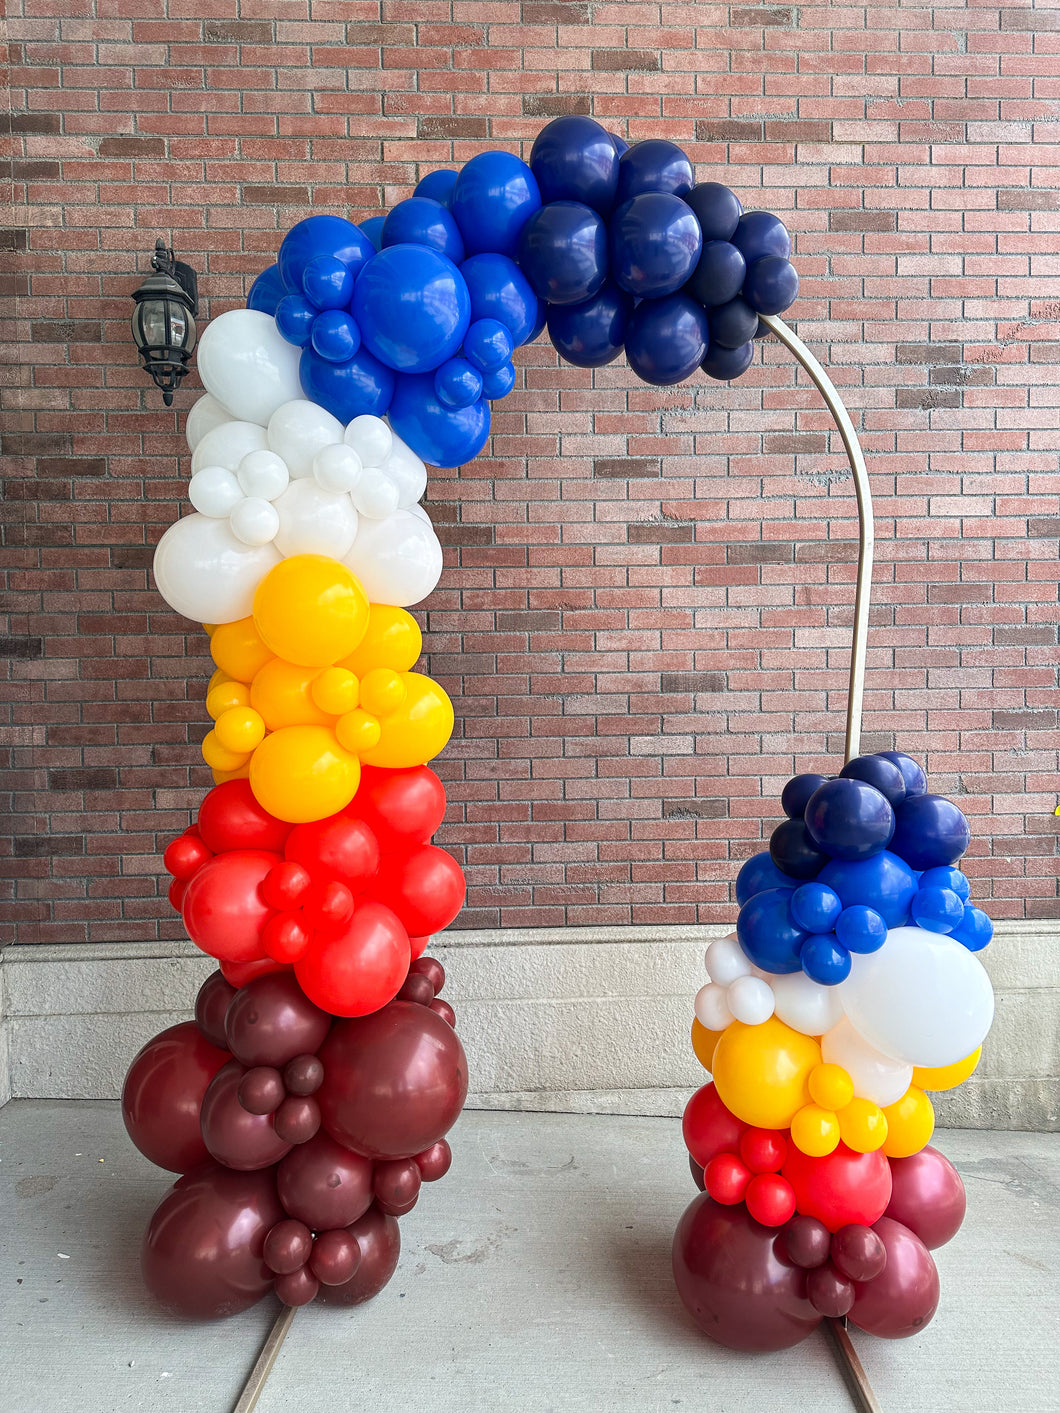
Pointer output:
324, 1185
379, 1241
929, 832
905, 1295
398, 560
271, 1021
401, 807
655, 165
231, 818
419, 220
247, 364
360, 387
499, 290
927, 1196
203, 572
563, 252
412, 307
666, 339
359, 968
762, 1071
841, 1187
574, 159
655, 244
424, 887
234, 1137
163, 1094
493, 197
592, 334
222, 907
440, 435
318, 236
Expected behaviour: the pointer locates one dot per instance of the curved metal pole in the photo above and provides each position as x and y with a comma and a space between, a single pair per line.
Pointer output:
866, 532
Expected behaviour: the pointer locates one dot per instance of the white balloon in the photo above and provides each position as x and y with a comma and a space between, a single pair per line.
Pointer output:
725, 960
263, 474
214, 491
712, 1008
420, 514
407, 471
298, 430
247, 364
227, 444
203, 572
750, 999
204, 416
922, 998
398, 560
875, 1076
804, 1004
375, 494
336, 468
371, 439
254, 521
315, 521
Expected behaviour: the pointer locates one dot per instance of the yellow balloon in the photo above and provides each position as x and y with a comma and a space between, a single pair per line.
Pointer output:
863, 1126
418, 730
335, 690
240, 729
216, 679
704, 1042
762, 1071
358, 731
209, 629
393, 640
220, 776
301, 773
947, 1076
226, 695
282, 693
218, 756
815, 1131
831, 1087
910, 1124
311, 610
383, 691
237, 649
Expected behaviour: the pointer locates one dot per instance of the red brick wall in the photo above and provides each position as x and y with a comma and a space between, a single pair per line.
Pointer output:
645, 611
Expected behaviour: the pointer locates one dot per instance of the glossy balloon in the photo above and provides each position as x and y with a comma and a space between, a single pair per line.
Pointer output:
927, 1196
666, 339
163, 1093
757, 875
849, 819
716, 208
438, 185
761, 1072
771, 285
760, 233
905, 1295
222, 907
731, 326
718, 277
840, 1187
884, 883
655, 245
592, 334
361, 966
930, 832
361, 387
323, 1184
767, 933
424, 887
563, 252
499, 290
723, 364
379, 1242
321, 235
441, 435
235, 1137
267, 291
421, 220
271, 1021
493, 197
211, 1004
654, 165
574, 159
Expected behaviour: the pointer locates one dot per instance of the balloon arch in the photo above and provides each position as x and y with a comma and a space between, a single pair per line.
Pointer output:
309, 1099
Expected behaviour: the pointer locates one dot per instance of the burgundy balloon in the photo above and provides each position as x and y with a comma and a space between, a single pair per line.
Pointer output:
732, 1282
434, 1162
697, 1173
163, 1095
443, 1009
288, 1246
379, 1241
397, 1185
271, 1020
394, 1081
235, 1137
806, 1242
215, 995
325, 1185
904, 1296
830, 1293
261, 1090
417, 989
335, 1257
432, 969
858, 1252
202, 1251
303, 1075
927, 1196
299, 1288
298, 1118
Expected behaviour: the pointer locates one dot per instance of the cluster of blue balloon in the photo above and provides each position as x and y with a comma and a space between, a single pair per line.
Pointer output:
416, 315
858, 854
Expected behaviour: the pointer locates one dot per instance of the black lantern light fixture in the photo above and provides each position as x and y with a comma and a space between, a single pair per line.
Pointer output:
163, 322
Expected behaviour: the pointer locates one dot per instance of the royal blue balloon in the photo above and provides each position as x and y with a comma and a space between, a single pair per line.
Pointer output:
937, 910
974, 930
717, 209
373, 229
761, 233
883, 774
723, 364
539, 322
412, 307
884, 883
771, 284
499, 290
655, 244
666, 338
437, 185
591, 334
757, 875
321, 235
439, 435
335, 336
824, 959
575, 159
767, 933
718, 278
794, 852
929, 832
796, 794
360, 387
488, 345
861, 929
327, 283
563, 252
423, 221
815, 907
848, 819
492, 199
457, 383
621, 145
653, 165
947, 877
912, 774
294, 319
266, 291
498, 382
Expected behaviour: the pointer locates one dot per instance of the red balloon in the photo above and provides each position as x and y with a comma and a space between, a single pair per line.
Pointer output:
324, 1185
401, 807
239, 974
394, 1081
734, 1284
431, 968
379, 1242
830, 1292
425, 887
223, 909
840, 1188
184, 855
286, 885
904, 1296
725, 1177
235, 1137
763, 1150
708, 1126
175, 893
927, 1196
163, 1094
231, 818
419, 945
359, 968
202, 1251
770, 1199
338, 847
271, 1021
215, 996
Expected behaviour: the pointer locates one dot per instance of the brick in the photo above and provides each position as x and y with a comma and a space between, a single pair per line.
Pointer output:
928, 353
452, 127
26, 648
139, 148
555, 105
1044, 720
1028, 200
766, 16
696, 809
626, 61
862, 221
14, 238
625, 468
555, 12
692, 682
238, 31
276, 195
80, 778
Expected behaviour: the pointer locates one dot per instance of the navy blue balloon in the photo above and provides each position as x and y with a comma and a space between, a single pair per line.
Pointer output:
498, 382
772, 284
717, 209
539, 322
767, 933
439, 435
763, 331
335, 336
974, 930
575, 159
321, 235
437, 185
757, 875
947, 877
718, 278
929, 832
294, 319
884, 774
912, 774
796, 794
655, 244
733, 324
347, 390
761, 233
794, 852
488, 345
824, 959
861, 929
457, 383
327, 283
412, 307
723, 364
563, 252
266, 291
499, 290
815, 907
938, 910
591, 334
492, 199
423, 221
653, 165
373, 229
621, 145
848, 819
885, 883
666, 338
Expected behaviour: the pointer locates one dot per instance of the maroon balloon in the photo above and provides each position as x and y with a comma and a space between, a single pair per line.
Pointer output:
733, 1283
303, 1075
379, 1241
443, 1009
417, 989
261, 1090
397, 1185
325, 1185
298, 1118
335, 1257
271, 1020
213, 1000
858, 1252
697, 1173
202, 1251
904, 1296
830, 1293
806, 1241
927, 1196
434, 1162
394, 1081
235, 1137
163, 1095
288, 1247
299, 1288
432, 969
